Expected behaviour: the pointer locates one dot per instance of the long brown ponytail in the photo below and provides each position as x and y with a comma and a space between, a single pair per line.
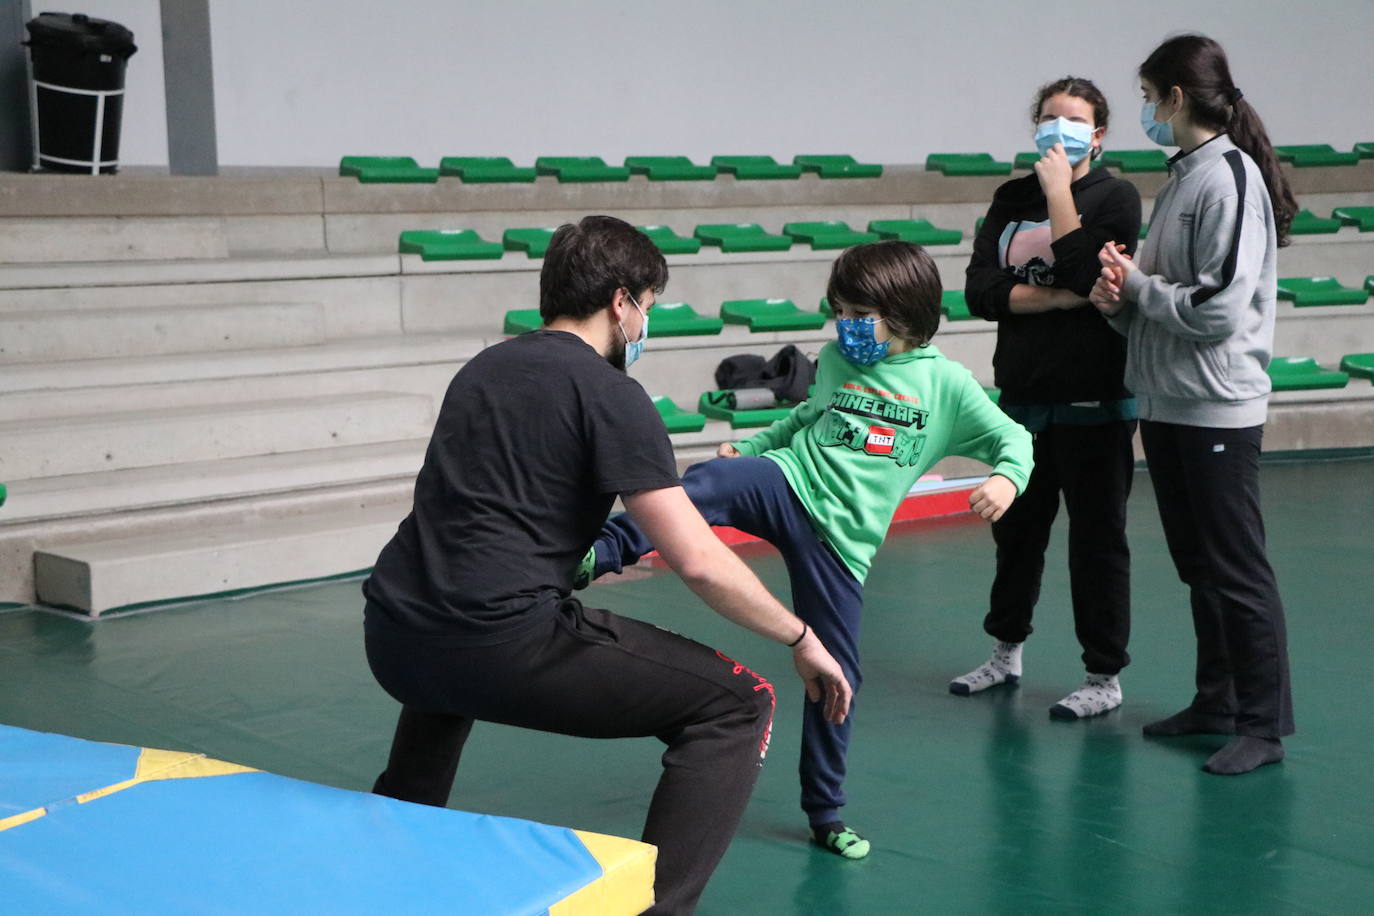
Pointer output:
1197, 65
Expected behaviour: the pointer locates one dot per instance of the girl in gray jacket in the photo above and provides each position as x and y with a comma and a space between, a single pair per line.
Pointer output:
1198, 316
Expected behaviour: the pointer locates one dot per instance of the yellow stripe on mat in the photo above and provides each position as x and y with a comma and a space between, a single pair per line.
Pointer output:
153, 765
626, 884
15, 820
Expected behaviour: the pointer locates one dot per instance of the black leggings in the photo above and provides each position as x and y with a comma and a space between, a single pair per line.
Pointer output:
591, 673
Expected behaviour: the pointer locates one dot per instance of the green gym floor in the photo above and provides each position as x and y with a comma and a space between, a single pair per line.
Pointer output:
974, 804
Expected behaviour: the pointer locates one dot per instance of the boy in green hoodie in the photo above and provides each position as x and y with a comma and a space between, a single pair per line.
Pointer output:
821, 485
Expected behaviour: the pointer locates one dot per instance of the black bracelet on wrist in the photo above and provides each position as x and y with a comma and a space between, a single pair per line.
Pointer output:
805, 629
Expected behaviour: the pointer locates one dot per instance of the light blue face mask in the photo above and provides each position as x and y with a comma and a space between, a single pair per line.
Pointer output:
1162, 132
635, 348
1076, 137
857, 343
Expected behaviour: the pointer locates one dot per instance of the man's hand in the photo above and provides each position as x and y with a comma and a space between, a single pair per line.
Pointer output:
992, 497
727, 450
824, 680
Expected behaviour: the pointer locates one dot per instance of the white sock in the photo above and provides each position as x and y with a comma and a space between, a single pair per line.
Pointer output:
1004, 667
1099, 693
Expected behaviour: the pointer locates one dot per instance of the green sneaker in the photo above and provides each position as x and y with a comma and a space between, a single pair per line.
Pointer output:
841, 840
583, 577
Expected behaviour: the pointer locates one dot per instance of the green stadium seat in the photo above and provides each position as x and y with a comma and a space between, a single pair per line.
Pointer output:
1301, 373
486, 170
449, 245
678, 319
676, 419
580, 169
1364, 150
1025, 160
955, 307
518, 321
749, 168
770, 315
837, 166
919, 231
828, 234
994, 394
825, 308
1369, 284
978, 224
716, 405
386, 170
534, 241
669, 242
1144, 231
966, 164
669, 168
1308, 223
1314, 154
1360, 364
1136, 160
1308, 291
3, 493
735, 237
1356, 216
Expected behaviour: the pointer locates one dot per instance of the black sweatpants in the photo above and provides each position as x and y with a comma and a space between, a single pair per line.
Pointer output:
593, 674
1206, 482
1092, 465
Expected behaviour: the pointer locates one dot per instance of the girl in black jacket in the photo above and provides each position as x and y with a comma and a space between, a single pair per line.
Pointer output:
1059, 367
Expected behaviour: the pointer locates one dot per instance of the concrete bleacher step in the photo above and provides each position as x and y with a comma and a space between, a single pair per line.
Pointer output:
53, 240
144, 438
78, 334
74, 495
182, 369
97, 576
290, 266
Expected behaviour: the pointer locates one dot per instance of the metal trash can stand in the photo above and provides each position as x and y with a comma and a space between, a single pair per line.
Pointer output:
77, 91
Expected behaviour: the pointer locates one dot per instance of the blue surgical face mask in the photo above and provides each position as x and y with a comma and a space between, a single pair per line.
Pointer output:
1162, 132
1076, 136
635, 348
857, 343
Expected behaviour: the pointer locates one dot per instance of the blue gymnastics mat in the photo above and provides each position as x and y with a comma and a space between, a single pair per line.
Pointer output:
98, 828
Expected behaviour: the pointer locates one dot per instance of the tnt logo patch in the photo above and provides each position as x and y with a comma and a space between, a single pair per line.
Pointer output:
880, 440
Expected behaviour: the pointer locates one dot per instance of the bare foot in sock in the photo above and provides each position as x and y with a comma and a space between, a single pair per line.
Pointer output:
1243, 754
1189, 721
1004, 667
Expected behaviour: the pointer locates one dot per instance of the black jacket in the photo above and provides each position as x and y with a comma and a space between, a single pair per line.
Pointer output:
1060, 356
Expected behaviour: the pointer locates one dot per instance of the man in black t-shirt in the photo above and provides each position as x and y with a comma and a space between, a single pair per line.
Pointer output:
469, 610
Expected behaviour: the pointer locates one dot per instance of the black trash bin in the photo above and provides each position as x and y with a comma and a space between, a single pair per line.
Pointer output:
78, 91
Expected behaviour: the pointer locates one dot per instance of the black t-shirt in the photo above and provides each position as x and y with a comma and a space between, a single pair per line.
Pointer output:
535, 438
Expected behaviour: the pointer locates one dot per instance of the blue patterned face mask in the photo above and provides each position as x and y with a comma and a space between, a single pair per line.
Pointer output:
1076, 136
857, 343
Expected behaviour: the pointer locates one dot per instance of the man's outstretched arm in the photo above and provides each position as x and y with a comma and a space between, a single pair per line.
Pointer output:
712, 570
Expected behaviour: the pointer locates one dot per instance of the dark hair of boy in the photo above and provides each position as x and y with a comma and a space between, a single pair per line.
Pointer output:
588, 261
1078, 88
1197, 65
898, 280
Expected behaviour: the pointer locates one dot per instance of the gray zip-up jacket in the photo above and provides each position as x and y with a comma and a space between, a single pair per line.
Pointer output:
1199, 313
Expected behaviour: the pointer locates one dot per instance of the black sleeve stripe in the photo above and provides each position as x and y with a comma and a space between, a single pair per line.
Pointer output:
1228, 267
